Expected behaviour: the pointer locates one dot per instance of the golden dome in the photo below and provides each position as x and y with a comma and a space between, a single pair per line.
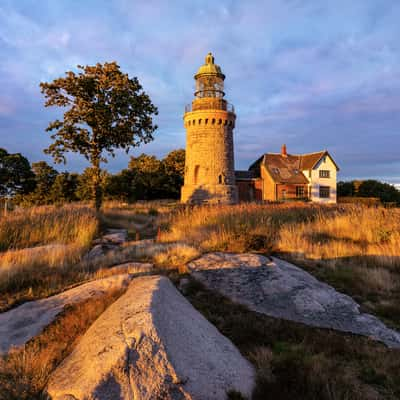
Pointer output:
209, 68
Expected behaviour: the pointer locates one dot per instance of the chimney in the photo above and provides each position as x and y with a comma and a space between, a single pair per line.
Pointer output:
283, 150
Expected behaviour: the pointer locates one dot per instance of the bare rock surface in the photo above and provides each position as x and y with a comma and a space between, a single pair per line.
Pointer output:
280, 289
115, 236
95, 252
151, 344
22, 323
112, 240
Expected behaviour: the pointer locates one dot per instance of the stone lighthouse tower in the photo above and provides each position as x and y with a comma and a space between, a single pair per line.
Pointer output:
209, 123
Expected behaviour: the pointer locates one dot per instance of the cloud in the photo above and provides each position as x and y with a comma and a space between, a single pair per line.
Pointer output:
312, 74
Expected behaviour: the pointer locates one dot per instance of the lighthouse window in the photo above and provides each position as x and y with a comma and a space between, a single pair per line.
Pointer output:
196, 173
206, 122
220, 122
220, 179
194, 122
213, 121
200, 121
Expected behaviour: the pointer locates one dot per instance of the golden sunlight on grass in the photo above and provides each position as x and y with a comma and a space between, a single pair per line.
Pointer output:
175, 256
356, 249
371, 233
316, 232
55, 238
48, 224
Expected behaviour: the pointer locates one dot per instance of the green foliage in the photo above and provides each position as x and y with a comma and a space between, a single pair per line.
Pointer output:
84, 189
174, 171
64, 188
16, 176
106, 110
148, 178
44, 178
387, 193
345, 189
369, 188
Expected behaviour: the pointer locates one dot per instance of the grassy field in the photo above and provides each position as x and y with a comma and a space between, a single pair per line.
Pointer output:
355, 249
43, 248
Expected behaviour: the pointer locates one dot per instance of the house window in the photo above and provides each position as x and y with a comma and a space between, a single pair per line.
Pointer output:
324, 192
323, 173
299, 191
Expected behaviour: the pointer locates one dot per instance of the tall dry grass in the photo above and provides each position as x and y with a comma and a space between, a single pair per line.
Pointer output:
230, 227
354, 248
316, 232
356, 231
48, 224
40, 247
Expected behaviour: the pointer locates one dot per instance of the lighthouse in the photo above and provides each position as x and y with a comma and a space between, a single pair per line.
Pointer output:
209, 122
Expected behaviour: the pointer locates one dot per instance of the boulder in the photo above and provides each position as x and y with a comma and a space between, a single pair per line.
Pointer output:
115, 236
151, 344
22, 323
279, 289
95, 252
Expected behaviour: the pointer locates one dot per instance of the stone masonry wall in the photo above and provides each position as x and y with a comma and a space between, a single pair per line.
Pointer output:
209, 164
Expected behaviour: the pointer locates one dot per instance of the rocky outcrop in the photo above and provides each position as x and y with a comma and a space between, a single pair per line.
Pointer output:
151, 344
115, 236
280, 289
22, 323
112, 240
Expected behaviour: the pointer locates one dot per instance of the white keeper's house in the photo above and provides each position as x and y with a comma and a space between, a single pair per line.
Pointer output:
285, 177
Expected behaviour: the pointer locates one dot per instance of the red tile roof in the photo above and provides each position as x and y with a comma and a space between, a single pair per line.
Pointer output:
284, 169
288, 169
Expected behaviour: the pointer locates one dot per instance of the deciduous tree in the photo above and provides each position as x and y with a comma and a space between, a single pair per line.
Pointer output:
106, 110
16, 175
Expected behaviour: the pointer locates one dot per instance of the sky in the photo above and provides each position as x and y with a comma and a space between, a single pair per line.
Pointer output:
309, 73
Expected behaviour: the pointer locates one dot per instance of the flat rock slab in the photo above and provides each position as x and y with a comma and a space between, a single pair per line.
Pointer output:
22, 323
280, 289
115, 236
151, 344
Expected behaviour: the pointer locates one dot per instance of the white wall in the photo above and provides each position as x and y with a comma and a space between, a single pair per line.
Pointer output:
325, 164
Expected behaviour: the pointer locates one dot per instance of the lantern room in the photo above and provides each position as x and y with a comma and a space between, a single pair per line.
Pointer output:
209, 79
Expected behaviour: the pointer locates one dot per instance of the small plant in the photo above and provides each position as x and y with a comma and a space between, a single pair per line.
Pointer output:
174, 257
256, 242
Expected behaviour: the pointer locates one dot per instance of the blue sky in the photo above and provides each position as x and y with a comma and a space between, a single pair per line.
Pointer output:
312, 74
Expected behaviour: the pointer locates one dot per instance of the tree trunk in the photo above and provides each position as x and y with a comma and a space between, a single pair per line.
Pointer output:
97, 189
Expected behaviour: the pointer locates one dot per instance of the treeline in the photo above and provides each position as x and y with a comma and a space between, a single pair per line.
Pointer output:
369, 188
145, 178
